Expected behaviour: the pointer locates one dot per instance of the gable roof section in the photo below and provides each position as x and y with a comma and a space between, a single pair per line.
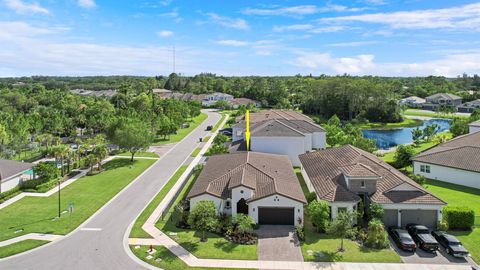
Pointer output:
9, 168
358, 170
274, 128
275, 114
265, 174
325, 170
444, 96
462, 152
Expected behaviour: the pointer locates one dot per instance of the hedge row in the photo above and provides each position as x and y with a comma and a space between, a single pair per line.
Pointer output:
459, 218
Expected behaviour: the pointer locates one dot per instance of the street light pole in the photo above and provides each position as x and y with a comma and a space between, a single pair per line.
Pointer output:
58, 198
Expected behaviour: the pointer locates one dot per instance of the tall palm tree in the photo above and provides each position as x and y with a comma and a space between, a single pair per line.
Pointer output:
100, 151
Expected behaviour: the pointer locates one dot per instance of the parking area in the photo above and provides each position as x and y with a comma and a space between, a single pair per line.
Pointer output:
422, 257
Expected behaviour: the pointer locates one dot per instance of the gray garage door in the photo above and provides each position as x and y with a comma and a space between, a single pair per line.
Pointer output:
390, 217
276, 216
424, 217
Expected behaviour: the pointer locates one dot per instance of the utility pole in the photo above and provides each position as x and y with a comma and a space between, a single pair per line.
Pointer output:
59, 199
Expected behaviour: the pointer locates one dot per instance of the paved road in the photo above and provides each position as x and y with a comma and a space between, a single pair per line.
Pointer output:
103, 249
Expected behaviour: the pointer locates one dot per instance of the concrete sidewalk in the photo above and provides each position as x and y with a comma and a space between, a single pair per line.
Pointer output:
31, 236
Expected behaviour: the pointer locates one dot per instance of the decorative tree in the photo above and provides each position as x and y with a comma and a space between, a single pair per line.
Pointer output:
244, 224
376, 235
376, 211
341, 226
403, 154
132, 135
417, 135
319, 213
203, 217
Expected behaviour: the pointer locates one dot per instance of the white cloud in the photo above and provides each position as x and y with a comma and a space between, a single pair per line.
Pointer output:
300, 10
233, 42
375, 2
327, 29
353, 43
166, 2
21, 7
10, 30
450, 65
165, 33
294, 27
236, 23
87, 3
174, 15
462, 17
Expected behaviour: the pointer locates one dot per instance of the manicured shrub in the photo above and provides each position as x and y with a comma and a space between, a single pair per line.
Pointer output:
459, 218
376, 235
9, 194
319, 213
442, 225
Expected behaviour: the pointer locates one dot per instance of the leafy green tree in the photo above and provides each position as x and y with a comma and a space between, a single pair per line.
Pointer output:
459, 127
244, 224
203, 217
430, 131
46, 171
341, 226
376, 211
132, 135
417, 135
319, 213
100, 152
403, 155
376, 235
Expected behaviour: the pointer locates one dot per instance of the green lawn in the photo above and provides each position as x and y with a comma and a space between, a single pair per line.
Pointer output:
20, 247
405, 123
137, 231
196, 152
217, 125
215, 248
169, 260
88, 194
139, 154
414, 112
456, 195
181, 133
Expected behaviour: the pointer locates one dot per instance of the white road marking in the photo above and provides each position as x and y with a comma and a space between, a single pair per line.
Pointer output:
91, 229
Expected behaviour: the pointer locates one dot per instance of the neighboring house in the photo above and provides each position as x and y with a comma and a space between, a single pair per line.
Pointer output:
441, 99
163, 93
456, 161
94, 93
413, 101
469, 107
13, 173
210, 99
346, 175
237, 102
263, 186
281, 132
474, 127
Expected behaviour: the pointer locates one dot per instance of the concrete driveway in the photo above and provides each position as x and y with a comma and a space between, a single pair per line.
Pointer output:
278, 243
422, 257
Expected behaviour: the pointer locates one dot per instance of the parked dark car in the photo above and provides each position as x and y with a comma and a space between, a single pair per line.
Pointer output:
402, 239
421, 235
209, 128
451, 244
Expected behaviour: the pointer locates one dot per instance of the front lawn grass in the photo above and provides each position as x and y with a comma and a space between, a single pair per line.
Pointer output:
405, 123
217, 125
20, 247
181, 133
88, 194
168, 260
328, 246
139, 154
137, 231
217, 247
457, 195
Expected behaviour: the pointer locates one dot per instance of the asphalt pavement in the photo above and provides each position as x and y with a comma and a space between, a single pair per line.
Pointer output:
99, 242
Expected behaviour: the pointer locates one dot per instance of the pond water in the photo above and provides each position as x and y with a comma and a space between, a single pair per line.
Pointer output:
392, 137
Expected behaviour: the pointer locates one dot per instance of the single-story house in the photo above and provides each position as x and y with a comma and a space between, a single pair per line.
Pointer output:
210, 99
469, 107
162, 93
237, 102
346, 175
95, 93
413, 101
291, 136
456, 161
433, 102
474, 127
263, 186
13, 173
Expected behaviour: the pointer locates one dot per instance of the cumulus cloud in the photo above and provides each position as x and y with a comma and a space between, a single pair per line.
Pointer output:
292, 27
21, 7
233, 42
458, 18
236, 23
165, 33
87, 3
300, 10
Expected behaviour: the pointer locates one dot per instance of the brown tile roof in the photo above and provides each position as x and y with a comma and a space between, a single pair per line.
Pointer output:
282, 128
243, 101
275, 114
266, 174
462, 152
9, 168
358, 170
326, 169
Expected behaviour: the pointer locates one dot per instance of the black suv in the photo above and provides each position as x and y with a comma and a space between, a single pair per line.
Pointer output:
402, 239
421, 235
451, 244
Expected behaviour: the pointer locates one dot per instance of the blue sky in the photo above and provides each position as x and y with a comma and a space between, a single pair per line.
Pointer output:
359, 37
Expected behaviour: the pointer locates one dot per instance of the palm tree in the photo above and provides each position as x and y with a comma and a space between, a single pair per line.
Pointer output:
60, 152
91, 160
100, 152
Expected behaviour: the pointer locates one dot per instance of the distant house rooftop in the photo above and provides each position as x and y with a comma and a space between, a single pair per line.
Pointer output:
9, 168
275, 114
97, 93
444, 96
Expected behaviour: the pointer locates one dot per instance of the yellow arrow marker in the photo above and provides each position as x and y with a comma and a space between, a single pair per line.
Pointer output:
247, 129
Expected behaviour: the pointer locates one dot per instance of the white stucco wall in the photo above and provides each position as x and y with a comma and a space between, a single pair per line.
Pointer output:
290, 146
399, 207
308, 142
219, 205
307, 180
237, 195
450, 175
10, 183
319, 140
281, 202
474, 129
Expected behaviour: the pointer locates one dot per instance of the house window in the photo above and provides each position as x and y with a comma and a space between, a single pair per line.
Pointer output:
422, 168
427, 168
362, 184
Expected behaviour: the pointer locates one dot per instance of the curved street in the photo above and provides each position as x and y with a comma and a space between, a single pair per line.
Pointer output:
100, 244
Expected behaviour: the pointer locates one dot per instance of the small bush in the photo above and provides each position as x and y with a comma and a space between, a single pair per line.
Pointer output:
33, 184
442, 225
376, 235
300, 232
420, 179
403, 154
311, 197
459, 218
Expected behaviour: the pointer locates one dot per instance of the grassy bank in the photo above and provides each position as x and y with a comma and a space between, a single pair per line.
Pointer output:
20, 247
405, 123
88, 194
139, 154
137, 231
181, 133
414, 112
